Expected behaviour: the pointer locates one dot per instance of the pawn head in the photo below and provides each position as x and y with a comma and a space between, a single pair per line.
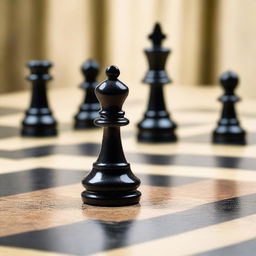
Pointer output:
112, 92
112, 72
229, 81
90, 70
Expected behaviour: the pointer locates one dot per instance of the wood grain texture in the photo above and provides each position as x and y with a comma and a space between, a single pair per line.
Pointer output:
193, 193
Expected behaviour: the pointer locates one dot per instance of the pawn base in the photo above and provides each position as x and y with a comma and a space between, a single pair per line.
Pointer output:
85, 119
39, 131
157, 136
111, 199
39, 122
157, 127
230, 139
229, 134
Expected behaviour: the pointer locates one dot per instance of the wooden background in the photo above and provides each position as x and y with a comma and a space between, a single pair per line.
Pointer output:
207, 37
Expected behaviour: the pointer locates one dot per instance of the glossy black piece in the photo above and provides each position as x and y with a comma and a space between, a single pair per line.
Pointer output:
157, 125
229, 130
39, 121
111, 181
89, 109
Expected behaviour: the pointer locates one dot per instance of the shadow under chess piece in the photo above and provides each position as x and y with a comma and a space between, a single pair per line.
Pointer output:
89, 109
111, 181
227, 202
157, 125
39, 121
229, 130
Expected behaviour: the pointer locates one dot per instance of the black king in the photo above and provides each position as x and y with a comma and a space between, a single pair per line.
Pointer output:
156, 125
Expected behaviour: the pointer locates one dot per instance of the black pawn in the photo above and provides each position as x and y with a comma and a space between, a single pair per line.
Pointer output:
39, 121
89, 109
157, 125
229, 130
111, 181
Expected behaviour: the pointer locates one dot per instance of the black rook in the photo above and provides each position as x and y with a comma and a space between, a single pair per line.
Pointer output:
111, 181
157, 125
39, 121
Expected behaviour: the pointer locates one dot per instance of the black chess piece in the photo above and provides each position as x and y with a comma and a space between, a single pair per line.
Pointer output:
39, 121
229, 130
111, 181
157, 125
89, 109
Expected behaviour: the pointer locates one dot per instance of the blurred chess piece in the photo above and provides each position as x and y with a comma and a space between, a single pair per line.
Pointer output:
89, 109
157, 126
39, 120
228, 130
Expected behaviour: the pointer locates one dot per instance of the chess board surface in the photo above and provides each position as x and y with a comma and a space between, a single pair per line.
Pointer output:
197, 198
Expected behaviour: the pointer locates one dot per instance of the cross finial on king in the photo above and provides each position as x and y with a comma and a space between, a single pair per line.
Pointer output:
157, 36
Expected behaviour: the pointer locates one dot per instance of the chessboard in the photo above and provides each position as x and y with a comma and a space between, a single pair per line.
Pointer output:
197, 198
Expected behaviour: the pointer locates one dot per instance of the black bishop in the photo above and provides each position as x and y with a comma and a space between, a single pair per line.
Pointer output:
111, 181
228, 130
39, 121
156, 125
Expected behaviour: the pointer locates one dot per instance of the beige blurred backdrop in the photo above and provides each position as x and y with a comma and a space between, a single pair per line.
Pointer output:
206, 36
